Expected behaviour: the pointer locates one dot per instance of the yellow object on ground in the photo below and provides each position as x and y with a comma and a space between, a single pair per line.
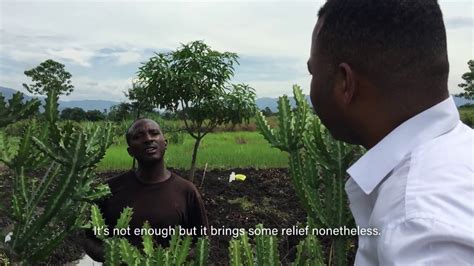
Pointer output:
233, 176
240, 177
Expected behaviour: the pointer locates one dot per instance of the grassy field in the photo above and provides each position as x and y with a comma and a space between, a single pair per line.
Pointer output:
224, 150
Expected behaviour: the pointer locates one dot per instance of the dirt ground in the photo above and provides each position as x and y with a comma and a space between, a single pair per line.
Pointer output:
265, 197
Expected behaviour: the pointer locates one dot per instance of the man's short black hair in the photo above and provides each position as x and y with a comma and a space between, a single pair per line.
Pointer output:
128, 133
396, 43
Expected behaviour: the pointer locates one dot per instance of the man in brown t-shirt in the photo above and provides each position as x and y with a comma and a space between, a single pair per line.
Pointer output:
156, 195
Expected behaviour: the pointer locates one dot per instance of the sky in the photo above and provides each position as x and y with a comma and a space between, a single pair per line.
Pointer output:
103, 43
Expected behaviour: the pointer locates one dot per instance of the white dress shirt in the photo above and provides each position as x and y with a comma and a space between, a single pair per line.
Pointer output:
416, 186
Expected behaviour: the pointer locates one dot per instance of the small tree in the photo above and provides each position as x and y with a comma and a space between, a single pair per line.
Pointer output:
95, 115
195, 80
49, 75
120, 112
267, 112
140, 102
75, 114
469, 82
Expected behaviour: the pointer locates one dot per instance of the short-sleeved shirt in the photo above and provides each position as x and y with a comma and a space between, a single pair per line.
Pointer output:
166, 204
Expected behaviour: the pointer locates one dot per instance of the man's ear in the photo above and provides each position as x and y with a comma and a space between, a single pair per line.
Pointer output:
166, 142
345, 83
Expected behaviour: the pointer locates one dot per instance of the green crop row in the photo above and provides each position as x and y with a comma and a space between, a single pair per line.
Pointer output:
219, 150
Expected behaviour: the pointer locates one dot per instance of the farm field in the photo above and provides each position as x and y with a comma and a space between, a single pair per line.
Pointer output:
220, 150
265, 197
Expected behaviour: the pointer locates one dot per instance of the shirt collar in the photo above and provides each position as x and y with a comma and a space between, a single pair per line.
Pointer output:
376, 163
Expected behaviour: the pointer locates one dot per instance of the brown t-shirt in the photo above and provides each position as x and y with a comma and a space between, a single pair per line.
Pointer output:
173, 202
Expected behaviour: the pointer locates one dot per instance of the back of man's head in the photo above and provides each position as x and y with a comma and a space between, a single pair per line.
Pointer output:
398, 45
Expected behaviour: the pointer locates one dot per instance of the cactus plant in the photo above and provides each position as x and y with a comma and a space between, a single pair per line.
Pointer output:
16, 109
317, 165
119, 250
265, 252
308, 252
42, 207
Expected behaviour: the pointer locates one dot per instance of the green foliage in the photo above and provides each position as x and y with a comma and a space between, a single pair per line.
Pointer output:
466, 113
141, 103
317, 167
49, 75
175, 137
468, 85
16, 109
291, 124
75, 114
42, 207
195, 79
173, 133
95, 115
308, 252
17, 128
78, 114
194, 72
119, 250
264, 252
267, 112
120, 112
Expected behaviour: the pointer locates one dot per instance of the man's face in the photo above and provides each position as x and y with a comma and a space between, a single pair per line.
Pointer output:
146, 141
323, 90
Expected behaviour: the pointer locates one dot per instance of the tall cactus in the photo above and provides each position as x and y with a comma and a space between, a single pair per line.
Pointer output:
265, 252
119, 250
45, 210
308, 252
16, 109
317, 166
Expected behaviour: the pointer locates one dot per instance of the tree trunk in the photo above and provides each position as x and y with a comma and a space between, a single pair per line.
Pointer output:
193, 161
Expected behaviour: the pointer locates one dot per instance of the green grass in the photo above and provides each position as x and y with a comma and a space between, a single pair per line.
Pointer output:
223, 150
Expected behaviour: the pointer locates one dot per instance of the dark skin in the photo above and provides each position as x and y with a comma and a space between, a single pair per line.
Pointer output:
350, 105
147, 145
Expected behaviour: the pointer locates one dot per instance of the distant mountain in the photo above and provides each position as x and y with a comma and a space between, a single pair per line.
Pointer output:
8, 93
84, 104
460, 101
88, 104
100, 105
272, 103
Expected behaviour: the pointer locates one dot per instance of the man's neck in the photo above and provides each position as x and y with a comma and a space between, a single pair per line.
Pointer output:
152, 173
382, 124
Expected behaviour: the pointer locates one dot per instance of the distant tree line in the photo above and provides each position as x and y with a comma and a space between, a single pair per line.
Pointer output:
78, 114
119, 112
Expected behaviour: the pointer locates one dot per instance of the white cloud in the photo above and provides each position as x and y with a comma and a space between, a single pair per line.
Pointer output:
278, 88
78, 56
78, 32
107, 89
128, 57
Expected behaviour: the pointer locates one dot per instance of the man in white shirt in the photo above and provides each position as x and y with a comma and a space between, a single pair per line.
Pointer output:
379, 79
